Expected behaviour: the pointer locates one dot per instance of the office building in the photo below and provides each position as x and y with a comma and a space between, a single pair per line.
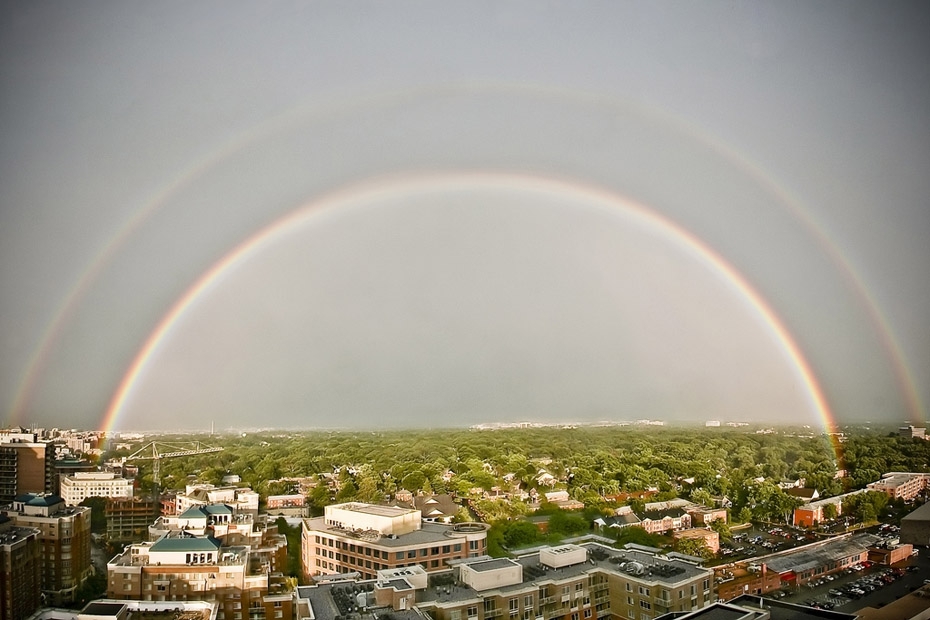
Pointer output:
77, 487
364, 538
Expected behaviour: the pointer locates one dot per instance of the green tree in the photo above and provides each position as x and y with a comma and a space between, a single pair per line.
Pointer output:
520, 534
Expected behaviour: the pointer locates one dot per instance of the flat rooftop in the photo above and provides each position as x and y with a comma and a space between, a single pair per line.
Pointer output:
641, 566
373, 509
489, 565
820, 554
429, 533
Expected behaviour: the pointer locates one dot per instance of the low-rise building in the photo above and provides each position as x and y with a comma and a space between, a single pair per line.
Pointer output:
365, 538
702, 515
745, 578
294, 505
901, 485
661, 521
800, 566
77, 487
64, 541
709, 537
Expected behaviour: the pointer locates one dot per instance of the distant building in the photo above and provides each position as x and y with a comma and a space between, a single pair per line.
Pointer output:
364, 538
901, 485
242, 499
701, 515
710, 538
77, 487
294, 505
913, 432
661, 521
65, 541
433, 508
20, 570
712, 423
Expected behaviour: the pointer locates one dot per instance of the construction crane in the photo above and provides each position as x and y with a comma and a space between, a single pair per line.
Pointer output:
156, 451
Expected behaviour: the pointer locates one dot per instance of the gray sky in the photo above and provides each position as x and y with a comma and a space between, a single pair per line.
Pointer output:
498, 211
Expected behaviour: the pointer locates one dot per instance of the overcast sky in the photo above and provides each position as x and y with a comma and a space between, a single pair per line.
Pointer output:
453, 213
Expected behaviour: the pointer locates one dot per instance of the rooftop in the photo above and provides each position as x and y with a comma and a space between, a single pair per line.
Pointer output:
428, 533
820, 554
638, 565
373, 509
185, 544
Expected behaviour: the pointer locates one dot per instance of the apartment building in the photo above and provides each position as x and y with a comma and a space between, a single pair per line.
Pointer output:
189, 563
901, 485
26, 466
64, 540
20, 570
568, 582
365, 538
77, 487
661, 521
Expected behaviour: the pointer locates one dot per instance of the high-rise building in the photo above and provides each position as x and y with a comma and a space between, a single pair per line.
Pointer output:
26, 466
64, 541
20, 570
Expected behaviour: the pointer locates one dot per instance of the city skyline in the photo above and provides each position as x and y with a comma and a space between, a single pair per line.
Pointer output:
430, 215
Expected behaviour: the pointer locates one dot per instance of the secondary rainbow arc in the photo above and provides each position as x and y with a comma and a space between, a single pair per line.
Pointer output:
37, 362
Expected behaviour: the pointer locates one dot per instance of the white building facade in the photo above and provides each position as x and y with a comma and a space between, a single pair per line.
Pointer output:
77, 487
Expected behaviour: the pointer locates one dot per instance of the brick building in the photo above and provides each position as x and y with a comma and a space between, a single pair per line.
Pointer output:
64, 542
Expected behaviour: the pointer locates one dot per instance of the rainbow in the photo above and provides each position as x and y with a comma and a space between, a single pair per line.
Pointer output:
394, 187
313, 109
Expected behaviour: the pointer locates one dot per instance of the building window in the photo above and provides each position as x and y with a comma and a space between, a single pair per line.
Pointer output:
528, 600
514, 604
472, 611
587, 613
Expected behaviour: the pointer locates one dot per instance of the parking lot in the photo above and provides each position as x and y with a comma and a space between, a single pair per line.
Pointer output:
874, 586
